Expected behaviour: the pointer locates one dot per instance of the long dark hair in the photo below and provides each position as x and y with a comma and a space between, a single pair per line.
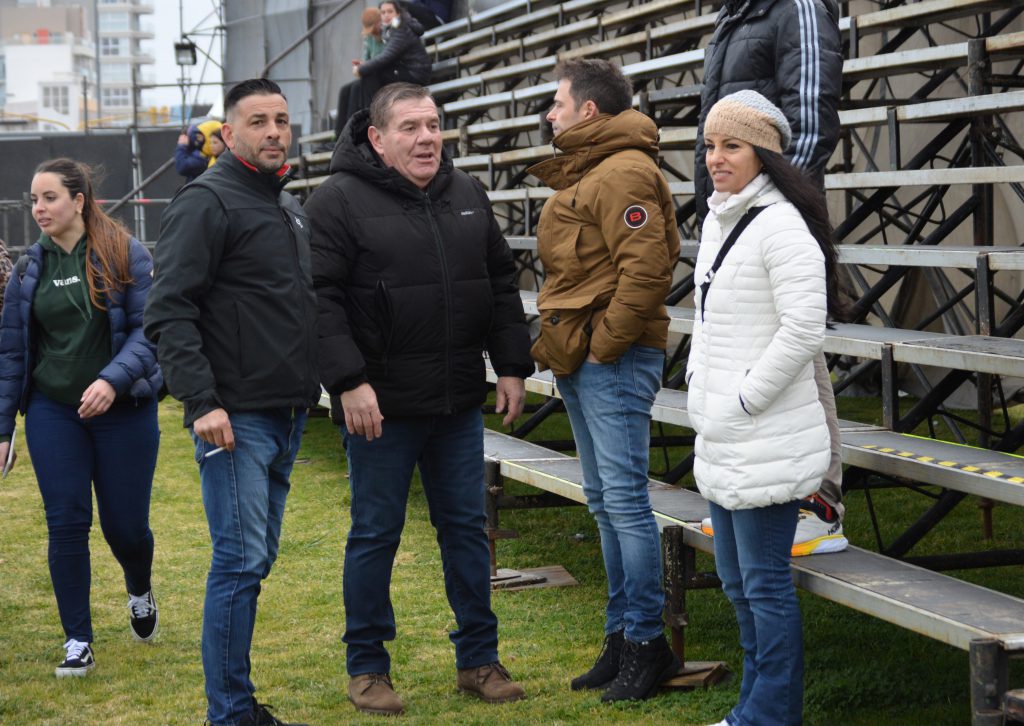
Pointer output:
106, 238
809, 200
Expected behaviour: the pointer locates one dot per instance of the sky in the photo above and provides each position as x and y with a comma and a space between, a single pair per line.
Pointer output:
167, 28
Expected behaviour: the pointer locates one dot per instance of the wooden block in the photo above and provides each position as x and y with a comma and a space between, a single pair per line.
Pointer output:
532, 577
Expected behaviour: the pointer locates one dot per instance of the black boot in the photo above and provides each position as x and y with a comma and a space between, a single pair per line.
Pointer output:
606, 667
261, 716
643, 668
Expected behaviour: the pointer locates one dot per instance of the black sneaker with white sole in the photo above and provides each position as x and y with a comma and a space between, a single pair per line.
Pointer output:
77, 662
142, 616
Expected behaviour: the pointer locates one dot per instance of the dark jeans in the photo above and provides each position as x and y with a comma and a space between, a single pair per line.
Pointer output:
449, 452
244, 493
114, 453
752, 556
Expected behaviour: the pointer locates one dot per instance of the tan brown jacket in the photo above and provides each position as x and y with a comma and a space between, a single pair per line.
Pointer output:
608, 240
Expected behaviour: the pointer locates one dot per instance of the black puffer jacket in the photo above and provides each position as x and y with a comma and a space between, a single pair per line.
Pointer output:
412, 284
789, 51
404, 58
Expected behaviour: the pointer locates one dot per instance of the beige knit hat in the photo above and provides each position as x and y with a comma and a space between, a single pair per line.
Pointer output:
749, 116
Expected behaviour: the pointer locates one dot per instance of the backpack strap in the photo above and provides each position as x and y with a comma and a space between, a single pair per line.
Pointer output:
726, 246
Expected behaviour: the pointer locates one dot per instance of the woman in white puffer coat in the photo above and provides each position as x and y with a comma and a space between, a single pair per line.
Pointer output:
762, 443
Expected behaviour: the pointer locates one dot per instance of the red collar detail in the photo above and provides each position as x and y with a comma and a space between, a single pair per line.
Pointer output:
280, 172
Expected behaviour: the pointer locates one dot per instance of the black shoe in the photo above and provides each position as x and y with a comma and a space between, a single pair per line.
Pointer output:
261, 716
606, 667
643, 668
78, 661
142, 616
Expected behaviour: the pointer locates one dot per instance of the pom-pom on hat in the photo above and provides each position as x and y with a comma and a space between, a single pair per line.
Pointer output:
749, 116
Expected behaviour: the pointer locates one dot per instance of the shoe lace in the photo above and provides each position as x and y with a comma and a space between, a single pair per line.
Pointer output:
263, 715
485, 672
629, 663
75, 648
375, 678
140, 605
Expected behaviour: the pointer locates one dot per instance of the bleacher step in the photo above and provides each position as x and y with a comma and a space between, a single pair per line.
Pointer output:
929, 603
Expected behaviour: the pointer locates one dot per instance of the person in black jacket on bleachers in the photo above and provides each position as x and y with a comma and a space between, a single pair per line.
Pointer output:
414, 282
404, 58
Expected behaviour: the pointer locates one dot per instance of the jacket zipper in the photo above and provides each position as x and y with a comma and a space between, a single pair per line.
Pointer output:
298, 270
447, 287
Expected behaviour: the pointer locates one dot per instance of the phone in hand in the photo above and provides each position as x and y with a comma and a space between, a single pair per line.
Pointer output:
10, 456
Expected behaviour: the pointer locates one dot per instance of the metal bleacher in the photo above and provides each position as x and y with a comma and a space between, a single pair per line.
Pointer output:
932, 106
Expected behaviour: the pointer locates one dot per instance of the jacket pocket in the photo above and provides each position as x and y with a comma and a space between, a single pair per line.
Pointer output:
565, 335
725, 420
560, 256
385, 320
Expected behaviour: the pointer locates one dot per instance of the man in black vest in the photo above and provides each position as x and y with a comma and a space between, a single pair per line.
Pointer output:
233, 312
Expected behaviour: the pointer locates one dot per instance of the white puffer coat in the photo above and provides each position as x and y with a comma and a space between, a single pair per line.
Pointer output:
761, 433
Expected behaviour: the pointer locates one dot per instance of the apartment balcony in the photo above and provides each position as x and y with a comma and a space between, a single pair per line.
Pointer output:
127, 6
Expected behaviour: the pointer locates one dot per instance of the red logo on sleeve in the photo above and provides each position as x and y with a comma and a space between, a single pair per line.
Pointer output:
635, 216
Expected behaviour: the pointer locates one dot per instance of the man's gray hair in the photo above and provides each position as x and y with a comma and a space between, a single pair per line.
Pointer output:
387, 97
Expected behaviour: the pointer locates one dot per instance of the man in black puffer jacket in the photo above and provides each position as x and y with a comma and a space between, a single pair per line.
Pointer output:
414, 282
790, 52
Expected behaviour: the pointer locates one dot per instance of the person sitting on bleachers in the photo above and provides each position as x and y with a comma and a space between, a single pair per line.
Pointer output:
404, 58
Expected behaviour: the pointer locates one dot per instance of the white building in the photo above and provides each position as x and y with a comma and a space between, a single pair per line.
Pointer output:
47, 62
122, 52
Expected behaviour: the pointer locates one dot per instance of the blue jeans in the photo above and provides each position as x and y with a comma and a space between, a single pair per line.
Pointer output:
450, 455
244, 493
752, 556
609, 407
115, 453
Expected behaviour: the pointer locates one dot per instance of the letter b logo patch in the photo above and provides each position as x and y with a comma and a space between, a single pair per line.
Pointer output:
635, 216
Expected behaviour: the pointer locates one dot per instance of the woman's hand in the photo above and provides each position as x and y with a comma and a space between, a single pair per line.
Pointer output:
97, 399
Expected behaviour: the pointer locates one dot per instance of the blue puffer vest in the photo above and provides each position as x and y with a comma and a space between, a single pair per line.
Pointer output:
133, 370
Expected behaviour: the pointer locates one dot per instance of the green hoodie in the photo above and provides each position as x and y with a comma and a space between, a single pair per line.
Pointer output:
73, 336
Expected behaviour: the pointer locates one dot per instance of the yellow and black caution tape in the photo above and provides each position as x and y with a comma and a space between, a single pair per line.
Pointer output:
970, 468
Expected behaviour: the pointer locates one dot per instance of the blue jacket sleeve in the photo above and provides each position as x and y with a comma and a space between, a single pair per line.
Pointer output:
12, 356
189, 163
137, 357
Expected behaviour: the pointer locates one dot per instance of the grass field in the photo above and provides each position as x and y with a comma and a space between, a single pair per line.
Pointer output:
859, 670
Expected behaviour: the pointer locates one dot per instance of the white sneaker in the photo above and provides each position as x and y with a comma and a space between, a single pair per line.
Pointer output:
815, 536
78, 661
723, 722
142, 616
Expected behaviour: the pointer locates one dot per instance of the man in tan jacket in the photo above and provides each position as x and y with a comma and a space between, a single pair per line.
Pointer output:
608, 240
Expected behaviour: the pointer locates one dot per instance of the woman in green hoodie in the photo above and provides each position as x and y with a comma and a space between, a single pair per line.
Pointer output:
74, 361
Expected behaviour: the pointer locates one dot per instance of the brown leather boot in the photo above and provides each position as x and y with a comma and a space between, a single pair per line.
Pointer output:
372, 693
490, 682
